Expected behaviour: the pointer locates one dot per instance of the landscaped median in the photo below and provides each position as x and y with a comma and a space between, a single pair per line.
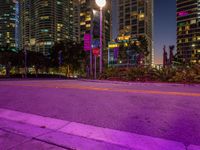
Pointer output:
181, 74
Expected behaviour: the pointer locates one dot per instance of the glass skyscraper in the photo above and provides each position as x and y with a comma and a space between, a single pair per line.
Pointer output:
135, 19
188, 30
44, 22
89, 20
9, 23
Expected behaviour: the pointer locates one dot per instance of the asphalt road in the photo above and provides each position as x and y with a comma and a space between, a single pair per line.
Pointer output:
168, 111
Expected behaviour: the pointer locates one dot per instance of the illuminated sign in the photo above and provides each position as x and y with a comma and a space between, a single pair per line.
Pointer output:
87, 42
122, 38
95, 43
183, 13
113, 45
96, 51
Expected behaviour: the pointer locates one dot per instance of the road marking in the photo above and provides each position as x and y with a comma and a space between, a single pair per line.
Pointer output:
73, 86
121, 138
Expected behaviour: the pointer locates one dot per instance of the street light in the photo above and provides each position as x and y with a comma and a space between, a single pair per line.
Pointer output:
25, 60
101, 4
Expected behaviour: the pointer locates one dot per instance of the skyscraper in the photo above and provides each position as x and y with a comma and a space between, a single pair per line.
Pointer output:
136, 19
45, 22
89, 20
9, 24
188, 30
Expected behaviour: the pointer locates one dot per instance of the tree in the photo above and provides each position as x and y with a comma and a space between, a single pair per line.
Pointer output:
7, 59
143, 51
36, 60
139, 49
122, 52
71, 53
54, 53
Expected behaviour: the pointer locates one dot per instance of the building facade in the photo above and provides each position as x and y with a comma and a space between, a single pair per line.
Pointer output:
135, 19
188, 30
89, 20
45, 22
9, 23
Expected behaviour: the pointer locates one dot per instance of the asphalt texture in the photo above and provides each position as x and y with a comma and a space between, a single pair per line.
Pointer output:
169, 111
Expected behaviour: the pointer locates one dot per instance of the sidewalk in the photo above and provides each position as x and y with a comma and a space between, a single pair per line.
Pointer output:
21, 136
12, 141
22, 131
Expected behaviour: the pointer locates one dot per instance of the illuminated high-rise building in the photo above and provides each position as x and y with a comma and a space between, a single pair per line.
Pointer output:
9, 24
188, 30
89, 20
135, 19
44, 22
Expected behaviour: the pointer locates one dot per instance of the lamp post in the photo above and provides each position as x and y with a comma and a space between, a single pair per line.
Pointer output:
101, 4
193, 49
25, 60
60, 61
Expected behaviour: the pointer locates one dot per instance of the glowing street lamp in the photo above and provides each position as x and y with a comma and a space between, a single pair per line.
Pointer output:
101, 4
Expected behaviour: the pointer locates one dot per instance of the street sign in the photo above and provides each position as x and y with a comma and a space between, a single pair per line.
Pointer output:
87, 42
95, 51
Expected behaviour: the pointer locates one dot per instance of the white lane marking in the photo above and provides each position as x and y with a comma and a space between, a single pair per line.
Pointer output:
125, 139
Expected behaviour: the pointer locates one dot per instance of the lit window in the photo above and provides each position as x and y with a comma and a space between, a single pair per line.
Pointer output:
44, 17
48, 43
88, 25
193, 22
44, 30
194, 39
187, 27
88, 18
82, 14
82, 23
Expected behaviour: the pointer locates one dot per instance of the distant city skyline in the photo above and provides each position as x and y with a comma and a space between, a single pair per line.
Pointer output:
164, 25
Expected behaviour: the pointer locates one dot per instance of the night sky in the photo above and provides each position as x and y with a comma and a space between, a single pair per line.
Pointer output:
164, 25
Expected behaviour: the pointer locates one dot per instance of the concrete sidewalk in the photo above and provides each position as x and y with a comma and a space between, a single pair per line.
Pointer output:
27, 131
21, 136
13, 141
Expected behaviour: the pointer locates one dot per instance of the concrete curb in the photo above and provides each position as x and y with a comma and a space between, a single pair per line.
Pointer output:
193, 147
55, 131
132, 83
